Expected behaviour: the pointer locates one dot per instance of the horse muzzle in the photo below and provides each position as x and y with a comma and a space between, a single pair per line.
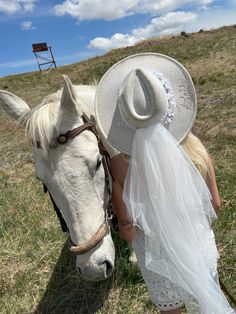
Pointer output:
97, 264
97, 272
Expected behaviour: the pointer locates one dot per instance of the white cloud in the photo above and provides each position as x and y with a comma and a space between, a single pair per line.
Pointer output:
27, 25
113, 9
10, 7
214, 18
97, 9
117, 40
170, 23
164, 6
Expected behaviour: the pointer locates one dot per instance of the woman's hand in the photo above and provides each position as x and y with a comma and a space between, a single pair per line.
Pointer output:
126, 230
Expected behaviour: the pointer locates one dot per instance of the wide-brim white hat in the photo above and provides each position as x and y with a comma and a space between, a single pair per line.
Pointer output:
142, 90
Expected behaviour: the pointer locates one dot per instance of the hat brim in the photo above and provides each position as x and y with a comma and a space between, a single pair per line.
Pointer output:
108, 117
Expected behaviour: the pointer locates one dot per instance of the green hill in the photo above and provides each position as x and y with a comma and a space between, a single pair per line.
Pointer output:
37, 273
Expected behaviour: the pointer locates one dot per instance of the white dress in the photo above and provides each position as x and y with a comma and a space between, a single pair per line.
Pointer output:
166, 196
166, 295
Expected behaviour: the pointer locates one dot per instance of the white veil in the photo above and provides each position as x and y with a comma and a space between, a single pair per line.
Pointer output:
167, 197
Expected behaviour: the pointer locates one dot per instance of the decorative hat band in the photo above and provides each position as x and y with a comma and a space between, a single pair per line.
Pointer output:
169, 116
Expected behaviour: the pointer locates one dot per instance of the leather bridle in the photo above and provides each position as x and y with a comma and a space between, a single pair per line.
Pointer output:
89, 124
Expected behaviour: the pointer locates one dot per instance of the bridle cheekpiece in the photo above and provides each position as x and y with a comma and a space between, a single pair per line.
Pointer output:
89, 124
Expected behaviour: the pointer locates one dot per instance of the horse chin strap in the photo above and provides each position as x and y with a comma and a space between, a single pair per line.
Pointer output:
89, 124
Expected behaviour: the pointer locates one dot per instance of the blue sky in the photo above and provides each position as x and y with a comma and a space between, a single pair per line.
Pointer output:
80, 29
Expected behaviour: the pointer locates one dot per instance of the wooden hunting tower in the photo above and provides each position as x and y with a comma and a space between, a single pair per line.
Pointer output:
43, 54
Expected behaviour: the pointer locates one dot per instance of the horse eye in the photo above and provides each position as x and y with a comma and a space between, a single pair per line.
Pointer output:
99, 162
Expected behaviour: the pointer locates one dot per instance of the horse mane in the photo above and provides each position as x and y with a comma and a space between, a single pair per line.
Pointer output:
40, 121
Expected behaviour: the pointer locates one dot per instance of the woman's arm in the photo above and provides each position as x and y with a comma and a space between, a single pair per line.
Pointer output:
125, 224
212, 186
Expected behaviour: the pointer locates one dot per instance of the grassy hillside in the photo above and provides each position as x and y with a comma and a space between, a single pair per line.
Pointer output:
37, 272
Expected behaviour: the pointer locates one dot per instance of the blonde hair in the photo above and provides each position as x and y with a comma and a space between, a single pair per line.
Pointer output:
197, 153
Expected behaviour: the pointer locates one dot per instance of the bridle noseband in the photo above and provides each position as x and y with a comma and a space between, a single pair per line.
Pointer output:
89, 124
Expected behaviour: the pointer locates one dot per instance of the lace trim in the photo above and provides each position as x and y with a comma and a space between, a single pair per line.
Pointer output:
169, 116
170, 305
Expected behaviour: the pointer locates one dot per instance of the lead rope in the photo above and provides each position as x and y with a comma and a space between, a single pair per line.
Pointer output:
88, 245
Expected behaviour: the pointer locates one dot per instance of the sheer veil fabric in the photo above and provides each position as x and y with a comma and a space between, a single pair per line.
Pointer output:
167, 197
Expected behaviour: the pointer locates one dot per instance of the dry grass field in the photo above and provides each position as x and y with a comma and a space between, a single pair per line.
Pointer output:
37, 273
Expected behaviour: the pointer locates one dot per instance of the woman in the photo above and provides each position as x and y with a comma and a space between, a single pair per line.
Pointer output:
119, 166
164, 206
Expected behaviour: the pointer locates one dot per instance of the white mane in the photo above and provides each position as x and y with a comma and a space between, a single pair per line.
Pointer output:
41, 121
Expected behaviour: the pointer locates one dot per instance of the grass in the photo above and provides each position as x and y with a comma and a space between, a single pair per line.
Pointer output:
37, 273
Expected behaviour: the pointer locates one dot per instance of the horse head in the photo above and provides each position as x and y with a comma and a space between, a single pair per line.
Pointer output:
71, 169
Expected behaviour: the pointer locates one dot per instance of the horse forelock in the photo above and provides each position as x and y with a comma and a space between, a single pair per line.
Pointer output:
40, 122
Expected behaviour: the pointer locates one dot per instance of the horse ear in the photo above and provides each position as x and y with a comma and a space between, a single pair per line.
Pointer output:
69, 96
13, 105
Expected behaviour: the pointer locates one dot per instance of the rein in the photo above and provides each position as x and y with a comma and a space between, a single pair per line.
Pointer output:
89, 124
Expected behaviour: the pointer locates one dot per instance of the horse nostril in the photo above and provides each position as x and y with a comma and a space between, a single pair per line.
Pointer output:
108, 268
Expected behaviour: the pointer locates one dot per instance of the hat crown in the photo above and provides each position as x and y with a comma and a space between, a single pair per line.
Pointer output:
143, 100
140, 99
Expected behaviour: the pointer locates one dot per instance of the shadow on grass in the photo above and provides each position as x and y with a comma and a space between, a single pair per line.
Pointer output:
67, 293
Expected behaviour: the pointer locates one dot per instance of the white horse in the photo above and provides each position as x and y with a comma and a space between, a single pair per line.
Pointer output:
71, 169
